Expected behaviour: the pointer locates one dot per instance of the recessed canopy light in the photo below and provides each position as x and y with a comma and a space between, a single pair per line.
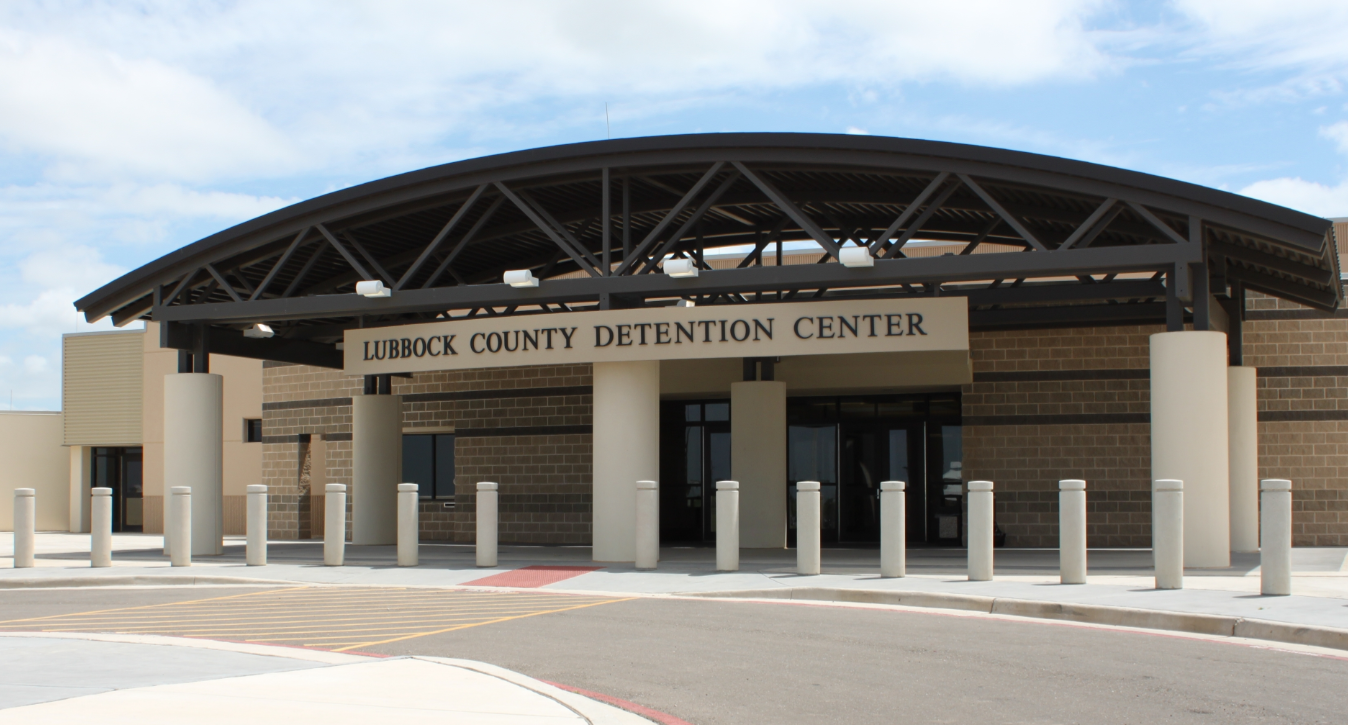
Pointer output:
856, 257
520, 278
259, 331
680, 268
373, 288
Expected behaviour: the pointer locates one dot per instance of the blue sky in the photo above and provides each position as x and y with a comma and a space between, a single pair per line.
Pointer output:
130, 129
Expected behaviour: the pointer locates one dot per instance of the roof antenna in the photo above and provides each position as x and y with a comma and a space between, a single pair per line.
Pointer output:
608, 128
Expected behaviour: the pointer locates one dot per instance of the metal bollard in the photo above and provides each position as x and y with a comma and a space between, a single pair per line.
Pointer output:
807, 527
648, 524
1167, 540
180, 501
25, 527
100, 527
257, 525
1072, 531
409, 524
980, 531
727, 526
893, 529
334, 524
1275, 536
486, 523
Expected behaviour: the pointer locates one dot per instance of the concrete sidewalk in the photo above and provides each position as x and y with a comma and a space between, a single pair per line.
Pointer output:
57, 679
1119, 578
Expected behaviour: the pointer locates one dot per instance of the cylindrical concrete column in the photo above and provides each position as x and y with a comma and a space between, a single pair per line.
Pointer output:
1072, 531
1167, 536
193, 455
626, 415
257, 525
893, 529
100, 527
807, 527
487, 517
376, 468
1190, 437
409, 525
334, 524
727, 526
168, 523
1243, 456
180, 501
980, 531
25, 527
648, 524
1275, 536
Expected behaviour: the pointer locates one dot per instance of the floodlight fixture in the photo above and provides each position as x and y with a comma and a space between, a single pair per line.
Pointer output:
520, 278
856, 257
680, 268
259, 332
373, 288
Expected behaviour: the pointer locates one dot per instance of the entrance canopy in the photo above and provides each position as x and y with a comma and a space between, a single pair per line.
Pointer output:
1028, 240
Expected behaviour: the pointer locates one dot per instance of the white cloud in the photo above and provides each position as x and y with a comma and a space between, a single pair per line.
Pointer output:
1338, 133
1308, 196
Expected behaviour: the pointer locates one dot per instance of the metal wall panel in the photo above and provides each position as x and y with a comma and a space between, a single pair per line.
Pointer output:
101, 391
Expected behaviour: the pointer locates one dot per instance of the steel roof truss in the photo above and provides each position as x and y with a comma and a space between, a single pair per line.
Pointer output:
571, 239
221, 281
697, 216
639, 254
806, 224
1161, 226
440, 236
1001, 211
342, 250
916, 226
547, 228
464, 242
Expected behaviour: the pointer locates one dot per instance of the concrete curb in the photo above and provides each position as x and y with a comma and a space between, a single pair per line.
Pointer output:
1210, 624
133, 580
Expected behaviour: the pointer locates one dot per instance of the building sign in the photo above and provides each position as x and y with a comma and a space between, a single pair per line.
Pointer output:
663, 333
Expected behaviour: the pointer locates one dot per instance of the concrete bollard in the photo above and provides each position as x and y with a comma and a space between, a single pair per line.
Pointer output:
334, 524
727, 526
100, 527
409, 524
807, 528
25, 527
1072, 531
980, 531
1167, 538
893, 529
168, 525
180, 501
486, 523
1275, 536
648, 524
257, 525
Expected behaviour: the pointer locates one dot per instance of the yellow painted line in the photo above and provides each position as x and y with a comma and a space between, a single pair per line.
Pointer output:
231, 614
479, 624
143, 606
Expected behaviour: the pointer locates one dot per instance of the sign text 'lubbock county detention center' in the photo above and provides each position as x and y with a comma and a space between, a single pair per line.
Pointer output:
663, 333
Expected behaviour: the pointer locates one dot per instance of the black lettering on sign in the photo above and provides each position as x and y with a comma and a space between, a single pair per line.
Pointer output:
493, 342
706, 329
392, 349
506, 336
796, 327
449, 344
567, 334
679, 332
825, 328
642, 326
530, 340
734, 330
662, 333
367, 350
407, 347
915, 323
844, 326
472, 343
551, 330
893, 323
419, 347
722, 330
603, 336
624, 335
759, 327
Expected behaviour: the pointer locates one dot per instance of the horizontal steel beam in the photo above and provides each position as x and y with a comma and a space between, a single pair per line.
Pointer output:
1015, 265
223, 341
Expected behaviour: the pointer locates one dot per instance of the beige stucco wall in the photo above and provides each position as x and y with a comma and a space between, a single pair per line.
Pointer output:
243, 399
30, 446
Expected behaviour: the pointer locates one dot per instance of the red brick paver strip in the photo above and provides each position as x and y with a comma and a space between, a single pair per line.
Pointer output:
532, 577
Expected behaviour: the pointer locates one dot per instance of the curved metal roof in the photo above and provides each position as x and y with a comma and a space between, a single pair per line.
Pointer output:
442, 236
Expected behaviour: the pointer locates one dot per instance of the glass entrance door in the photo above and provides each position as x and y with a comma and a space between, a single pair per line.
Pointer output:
121, 469
695, 454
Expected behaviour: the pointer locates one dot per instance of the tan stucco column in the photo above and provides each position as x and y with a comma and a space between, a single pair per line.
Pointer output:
193, 455
81, 471
1243, 442
626, 437
376, 468
758, 461
1190, 437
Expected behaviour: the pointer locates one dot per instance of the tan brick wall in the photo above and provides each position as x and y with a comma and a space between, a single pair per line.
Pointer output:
532, 444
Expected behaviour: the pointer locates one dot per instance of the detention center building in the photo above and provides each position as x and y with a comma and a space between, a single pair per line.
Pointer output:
768, 308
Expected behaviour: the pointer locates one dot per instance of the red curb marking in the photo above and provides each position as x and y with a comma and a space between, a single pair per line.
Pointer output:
656, 715
532, 577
